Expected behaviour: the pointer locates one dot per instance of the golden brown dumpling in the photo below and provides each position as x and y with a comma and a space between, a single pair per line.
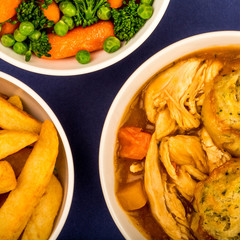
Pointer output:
221, 113
217, 202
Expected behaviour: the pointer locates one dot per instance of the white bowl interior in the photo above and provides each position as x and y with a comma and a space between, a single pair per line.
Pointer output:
120, 103
100, 59
34, 105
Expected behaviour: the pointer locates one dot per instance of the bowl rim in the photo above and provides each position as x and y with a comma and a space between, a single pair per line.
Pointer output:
69, 158
89, 69
110, 115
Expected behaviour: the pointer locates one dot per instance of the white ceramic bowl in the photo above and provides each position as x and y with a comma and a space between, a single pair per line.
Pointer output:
120, 103
35, 105
100, 59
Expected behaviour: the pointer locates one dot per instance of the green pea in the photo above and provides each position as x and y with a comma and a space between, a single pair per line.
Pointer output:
26, 28
145, 11
35, 35
83, 56
104, 13
148, 2
7, 40
68, 9
69, 21
20, 48
111, 44
61, 28
18, 36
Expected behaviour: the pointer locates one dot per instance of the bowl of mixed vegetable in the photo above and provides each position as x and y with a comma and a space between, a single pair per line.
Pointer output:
71, 37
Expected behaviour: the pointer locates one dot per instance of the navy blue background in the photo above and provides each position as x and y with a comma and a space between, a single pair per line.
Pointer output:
81, 103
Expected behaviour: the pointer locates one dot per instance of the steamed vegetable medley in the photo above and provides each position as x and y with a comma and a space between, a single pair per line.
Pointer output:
65, 28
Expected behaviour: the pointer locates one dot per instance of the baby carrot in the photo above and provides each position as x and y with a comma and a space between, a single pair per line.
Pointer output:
7, 9
115, 3
89, 38
52, 12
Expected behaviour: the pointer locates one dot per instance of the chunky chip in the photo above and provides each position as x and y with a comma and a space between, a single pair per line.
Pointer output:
7, 177
12, 141
13, 118
16, 101
18, 160
41, 222
32, 182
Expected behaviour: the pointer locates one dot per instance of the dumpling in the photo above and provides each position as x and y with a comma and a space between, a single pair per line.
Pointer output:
217, 202
221, 113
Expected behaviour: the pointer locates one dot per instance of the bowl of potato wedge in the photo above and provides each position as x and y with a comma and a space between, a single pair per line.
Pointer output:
36, 167
68, 37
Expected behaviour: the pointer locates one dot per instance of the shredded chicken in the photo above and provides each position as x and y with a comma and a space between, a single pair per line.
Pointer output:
215, 156
173, 203
180, 87
185, 184
195, 220
156, 194
165, 125
187, 150
184, 161
194, 172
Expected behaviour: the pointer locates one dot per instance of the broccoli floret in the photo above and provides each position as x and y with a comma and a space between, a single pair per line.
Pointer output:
46, 3
40, 47
31, 11
126, 21
87, 11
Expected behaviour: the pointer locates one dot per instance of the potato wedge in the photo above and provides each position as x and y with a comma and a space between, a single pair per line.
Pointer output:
7, 177
13, 118
41, 222
3, 96
12, 141
31, 185
3, 198
18, 160
16, 101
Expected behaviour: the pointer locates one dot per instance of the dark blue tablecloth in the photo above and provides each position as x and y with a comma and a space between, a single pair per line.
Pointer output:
81, 103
